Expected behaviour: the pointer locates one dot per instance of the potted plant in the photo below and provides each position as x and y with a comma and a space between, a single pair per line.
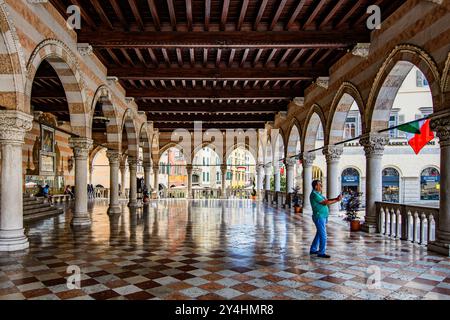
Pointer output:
296, 199
253, 190
352, 207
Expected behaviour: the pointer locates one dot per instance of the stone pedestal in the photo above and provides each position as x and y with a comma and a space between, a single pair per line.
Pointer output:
114, 160
81, 148
307, 162
132, 164
441, 245
332, 156
13, 127
373, 147
189, 169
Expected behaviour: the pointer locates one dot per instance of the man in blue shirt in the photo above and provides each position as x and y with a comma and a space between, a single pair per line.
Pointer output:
320, 210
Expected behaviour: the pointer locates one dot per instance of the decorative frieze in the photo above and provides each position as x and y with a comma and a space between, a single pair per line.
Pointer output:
374, 144
81, 147
361, 50
112, 80
323, 82
85, 49
308, 159
113, 156
14, 125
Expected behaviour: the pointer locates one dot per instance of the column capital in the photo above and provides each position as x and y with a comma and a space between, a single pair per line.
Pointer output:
81, 147
133, 163
332, 153
308, 159
374, 143
113, 156
156, 167
441, 125
290, 163
189, 168
14, 125
223, 168
147, 165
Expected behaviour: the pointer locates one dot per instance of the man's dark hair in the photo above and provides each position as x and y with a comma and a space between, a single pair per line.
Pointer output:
315, 183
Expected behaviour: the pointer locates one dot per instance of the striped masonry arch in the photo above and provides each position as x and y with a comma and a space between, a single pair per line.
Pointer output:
145, 141
129, 128
66, 66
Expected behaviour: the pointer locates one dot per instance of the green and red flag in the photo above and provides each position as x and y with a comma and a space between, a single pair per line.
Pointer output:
418, 134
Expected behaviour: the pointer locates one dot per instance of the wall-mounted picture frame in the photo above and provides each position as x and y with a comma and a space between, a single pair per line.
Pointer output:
48, 139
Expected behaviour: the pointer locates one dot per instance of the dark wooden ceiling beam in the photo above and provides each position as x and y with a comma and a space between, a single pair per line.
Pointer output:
189, 14
154, 13
242, 14
277, 14
103, 16
295, 14
164, 126
207, 14
260, 14
173, 18
284, 73
86, 17
136, 14
225, 39
169, 117
119, 13
332, 13
211, 107
224, 16
350, 13
211, 94
313, 15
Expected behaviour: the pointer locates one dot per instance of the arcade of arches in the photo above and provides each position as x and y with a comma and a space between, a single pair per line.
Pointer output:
113, 110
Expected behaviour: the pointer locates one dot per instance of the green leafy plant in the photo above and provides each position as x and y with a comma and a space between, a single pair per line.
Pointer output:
352, 206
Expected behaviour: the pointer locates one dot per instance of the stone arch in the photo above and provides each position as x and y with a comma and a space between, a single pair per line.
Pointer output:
206, 144
445, 82
268, 158
278, 148
314, 118
103, 95
391, 76
12, 71
66, 66
293, 142
242, 145
155, 148
145, 143
129, 126
168, 146
342, 102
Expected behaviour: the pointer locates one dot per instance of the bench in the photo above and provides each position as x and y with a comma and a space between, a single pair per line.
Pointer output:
60, 197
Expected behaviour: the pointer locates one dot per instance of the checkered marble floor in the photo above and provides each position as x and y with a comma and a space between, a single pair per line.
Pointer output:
213, 249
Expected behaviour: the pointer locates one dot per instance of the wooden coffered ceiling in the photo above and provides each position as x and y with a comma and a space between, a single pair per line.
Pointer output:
229, 63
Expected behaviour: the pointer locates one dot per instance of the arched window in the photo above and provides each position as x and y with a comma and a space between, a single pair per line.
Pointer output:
430, 184
350, 180
391, 185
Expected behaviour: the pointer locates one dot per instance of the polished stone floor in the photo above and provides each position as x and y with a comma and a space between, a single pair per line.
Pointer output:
213, 249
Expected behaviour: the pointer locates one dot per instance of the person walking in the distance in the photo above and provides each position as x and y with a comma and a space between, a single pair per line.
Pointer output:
319, 206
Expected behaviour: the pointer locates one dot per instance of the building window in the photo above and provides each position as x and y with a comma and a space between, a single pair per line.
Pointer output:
350, 130
393, 121
350, 181
430, 184
421, 81
320, 135
391, 185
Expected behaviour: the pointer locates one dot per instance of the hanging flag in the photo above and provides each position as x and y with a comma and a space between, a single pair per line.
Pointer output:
418, 134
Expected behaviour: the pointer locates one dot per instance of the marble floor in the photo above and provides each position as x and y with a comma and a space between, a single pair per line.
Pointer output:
213, 249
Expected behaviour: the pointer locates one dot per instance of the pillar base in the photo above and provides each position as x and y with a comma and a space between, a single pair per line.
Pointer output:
134, 204
13, 240
439, 247
80, 220
114, 209
369, 228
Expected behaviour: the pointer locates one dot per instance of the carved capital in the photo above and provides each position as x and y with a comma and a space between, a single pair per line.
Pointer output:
374, 144
308, 159
361, 50
189, 168
133, 163
156, 168
332, 153
223, 168
14, 125
290, 163
323, 82
85, 49
81, 147
113, 156
441, 126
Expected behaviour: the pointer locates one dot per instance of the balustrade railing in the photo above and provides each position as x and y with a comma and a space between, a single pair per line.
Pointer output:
407, 222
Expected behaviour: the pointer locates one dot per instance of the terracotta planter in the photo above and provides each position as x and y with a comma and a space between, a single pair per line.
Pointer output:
298, 209
355, 225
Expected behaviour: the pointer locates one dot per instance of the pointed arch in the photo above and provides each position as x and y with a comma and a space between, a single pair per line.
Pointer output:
66, 66
391, 76
145, 143
293, 142
347, 94
128, 128
314, 118
13, 69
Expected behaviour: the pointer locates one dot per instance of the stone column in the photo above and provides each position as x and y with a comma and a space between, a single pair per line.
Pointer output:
189, 169
147, 173
442, 242
307, 162
132, 164
276, 177
332, 155
259, 178
114, 160
13, 127
156, 182
268, 173
123, 172
373, 144
81, 148
223, 169
91, 172
290, 168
